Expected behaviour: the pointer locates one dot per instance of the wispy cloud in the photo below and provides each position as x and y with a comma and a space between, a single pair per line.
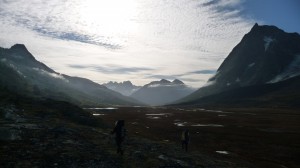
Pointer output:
56, 19
136, 40
158, 77
205, 71
77, 37
112, 69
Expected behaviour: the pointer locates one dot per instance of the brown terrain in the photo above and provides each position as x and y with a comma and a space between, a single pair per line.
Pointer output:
58, 134
243, 137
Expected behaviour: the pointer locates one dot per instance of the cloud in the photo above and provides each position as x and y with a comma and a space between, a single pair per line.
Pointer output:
77, 37
182, 77
112, 69
137, 40
56, 19
168, 77
52, 75
205, 71
222, 5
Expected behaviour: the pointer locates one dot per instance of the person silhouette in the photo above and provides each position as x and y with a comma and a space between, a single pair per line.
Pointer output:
120, 132
185, 139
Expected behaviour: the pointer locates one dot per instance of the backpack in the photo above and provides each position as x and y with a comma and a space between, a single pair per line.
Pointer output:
121, 131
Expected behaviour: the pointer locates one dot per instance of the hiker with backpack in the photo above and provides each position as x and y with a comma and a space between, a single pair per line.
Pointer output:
185, 139
120, 132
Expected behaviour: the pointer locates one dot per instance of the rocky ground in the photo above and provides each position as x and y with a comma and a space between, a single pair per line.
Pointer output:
29, 139
236, 137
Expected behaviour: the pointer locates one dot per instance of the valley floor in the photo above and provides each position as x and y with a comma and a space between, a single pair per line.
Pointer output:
230, 137
227, 138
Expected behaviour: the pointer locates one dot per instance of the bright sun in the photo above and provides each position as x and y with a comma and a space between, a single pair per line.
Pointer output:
109, 17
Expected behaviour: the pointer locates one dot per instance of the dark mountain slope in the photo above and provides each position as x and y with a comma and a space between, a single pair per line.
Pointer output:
284, 94
265, 55
19, 67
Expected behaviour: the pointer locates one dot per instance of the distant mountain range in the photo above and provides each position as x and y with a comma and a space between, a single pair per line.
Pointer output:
23, 74
263, 68
126, 88
162, 92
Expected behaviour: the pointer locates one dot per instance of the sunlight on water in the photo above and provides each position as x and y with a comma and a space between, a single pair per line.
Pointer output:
151, 117
180, 124
98, 114
207, 125
100, 108
222, 152
157, 114
222, 115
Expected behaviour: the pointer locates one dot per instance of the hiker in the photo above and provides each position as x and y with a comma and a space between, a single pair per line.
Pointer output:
120, 131
185, 138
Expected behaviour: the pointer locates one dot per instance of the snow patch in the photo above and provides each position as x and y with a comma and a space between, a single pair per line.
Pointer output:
3, 60
251, 65
292, 70
17, 70
53, 75
268, 41
209, 83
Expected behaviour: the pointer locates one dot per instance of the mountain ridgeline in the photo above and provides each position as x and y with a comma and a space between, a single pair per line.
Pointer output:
126, 88
162, 92
21, 73
263, 68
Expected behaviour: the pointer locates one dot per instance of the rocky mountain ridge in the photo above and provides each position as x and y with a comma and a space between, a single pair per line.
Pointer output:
126, 88
265, 55
21, 72
162, 92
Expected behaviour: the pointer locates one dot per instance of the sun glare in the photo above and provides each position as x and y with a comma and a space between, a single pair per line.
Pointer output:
108, 17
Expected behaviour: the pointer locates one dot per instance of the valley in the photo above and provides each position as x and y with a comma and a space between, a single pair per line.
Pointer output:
250, 137
246, 115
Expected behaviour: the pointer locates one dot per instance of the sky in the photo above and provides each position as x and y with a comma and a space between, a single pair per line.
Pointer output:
138, 40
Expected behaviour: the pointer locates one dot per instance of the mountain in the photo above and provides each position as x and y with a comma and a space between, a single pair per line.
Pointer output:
22, 73
283, 94
126, 88
162, 92
265, 56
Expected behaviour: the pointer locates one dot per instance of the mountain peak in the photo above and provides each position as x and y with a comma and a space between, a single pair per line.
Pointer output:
265, 30
128, 83
178, 82
265, 55
21, 51
126, 87
255, 26
19, 47
164, 81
